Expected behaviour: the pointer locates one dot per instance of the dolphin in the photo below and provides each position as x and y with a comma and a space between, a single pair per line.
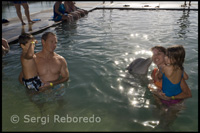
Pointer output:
139, 66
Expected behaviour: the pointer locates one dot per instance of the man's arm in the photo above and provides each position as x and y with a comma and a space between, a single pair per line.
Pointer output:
64, 73
186, 93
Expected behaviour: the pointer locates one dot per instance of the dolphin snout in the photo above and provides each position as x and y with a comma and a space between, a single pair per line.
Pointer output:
149, 60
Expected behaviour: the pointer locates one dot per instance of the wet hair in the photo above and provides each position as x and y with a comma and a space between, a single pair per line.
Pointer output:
24, 38
176, 54
45, 35
160, 48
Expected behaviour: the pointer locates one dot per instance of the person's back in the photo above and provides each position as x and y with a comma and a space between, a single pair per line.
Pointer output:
59, 12
173, 72
67, 5
58, 8
26, 42
70, 9
171, 80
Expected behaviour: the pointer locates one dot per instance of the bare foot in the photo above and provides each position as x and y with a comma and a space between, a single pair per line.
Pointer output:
30, 22
23, 23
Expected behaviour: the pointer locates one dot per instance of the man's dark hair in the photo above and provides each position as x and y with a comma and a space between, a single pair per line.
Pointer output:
45, 35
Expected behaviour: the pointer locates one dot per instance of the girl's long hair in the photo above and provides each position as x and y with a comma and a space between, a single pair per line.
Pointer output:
176, 54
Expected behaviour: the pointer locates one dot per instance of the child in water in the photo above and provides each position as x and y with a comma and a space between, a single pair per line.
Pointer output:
29, 70
172, 73
169, 60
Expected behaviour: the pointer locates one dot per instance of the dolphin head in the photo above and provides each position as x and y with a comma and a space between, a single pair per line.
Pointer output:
139, 66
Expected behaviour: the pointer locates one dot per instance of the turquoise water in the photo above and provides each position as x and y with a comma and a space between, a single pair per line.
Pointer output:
100, 94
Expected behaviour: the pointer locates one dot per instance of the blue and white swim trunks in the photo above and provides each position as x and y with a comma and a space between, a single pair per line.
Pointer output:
33, 83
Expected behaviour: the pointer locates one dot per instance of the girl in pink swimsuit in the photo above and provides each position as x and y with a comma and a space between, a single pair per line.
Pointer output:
172, 73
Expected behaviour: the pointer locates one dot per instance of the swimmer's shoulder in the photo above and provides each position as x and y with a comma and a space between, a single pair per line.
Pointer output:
61, 59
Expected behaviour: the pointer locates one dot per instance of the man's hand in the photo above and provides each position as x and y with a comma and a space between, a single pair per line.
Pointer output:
46, 85
162, 95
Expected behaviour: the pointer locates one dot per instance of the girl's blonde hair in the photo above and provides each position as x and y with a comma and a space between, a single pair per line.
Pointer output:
176, 54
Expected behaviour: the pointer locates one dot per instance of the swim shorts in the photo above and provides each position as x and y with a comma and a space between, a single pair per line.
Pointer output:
19, 2
33, 83
58, 18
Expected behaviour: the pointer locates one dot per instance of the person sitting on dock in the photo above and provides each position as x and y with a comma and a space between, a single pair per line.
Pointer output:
79, 9
68, 9
71, 8
59, 12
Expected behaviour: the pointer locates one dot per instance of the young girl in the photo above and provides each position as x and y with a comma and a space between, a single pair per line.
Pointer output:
172, 73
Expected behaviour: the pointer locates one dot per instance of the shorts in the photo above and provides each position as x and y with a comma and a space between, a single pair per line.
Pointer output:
33, 83
19, 2
59, 18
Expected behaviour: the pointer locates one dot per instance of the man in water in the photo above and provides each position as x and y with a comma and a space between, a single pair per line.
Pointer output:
52, 68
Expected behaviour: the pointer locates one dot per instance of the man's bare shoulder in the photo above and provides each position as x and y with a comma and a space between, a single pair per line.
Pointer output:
60, 58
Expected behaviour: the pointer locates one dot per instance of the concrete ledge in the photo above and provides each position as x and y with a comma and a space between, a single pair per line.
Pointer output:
122, 8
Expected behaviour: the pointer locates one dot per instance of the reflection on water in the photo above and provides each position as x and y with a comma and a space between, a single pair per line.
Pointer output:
98, 48
184, 23
29, 28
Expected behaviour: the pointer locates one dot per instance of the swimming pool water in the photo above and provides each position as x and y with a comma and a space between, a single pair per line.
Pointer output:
100, 94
